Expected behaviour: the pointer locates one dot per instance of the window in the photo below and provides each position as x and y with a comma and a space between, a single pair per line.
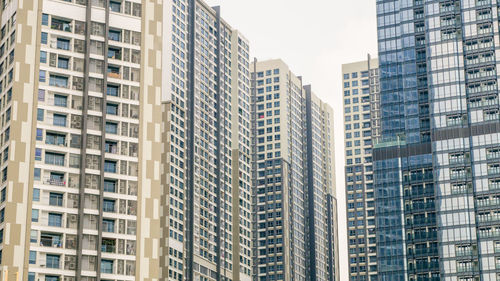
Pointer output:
106, 266
42, 76
108, 205
55, 199
41, 95
33, 236
110, 166
36, 194
55, 139
52, 261
112, 90
43, 57
45, 19
59, 120
39, 114
109, 186
51, 278
346, 76
115, 6
114, 35
111, 147
114, 53
60, 100
34, 215
60, 24
39, 134
62, 44
63, 63
108, 225
44, 38
36, 173
32, 258
58, 81
111, 128
112, 109
38, 154
55, 219
54, 158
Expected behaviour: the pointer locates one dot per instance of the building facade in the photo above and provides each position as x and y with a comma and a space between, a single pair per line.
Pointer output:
360, 88
128, 150
436, 162
206, 223
78, 80
134, 166
293, 176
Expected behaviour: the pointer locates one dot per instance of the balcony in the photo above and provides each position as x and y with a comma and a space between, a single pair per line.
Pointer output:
51, 241
422, 236
494, 170
459, 174
458, 159
55, 181
115, 75
493, 217
114, 53
484, 30
419, 207
59, 81
108, 248
491, 116
483, 2
62, 25
485, 233
494, 185
495, 201
390, 141
52, 139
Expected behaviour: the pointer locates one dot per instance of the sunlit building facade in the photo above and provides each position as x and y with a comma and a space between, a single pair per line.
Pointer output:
74, 100
360, 90
294, 173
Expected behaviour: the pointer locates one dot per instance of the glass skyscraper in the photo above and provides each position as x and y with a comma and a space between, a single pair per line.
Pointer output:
437, 161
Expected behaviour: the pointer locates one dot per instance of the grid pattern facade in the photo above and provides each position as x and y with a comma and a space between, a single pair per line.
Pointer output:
78, 127
104, 113
360, 88
435, 163
294, 175
207, 195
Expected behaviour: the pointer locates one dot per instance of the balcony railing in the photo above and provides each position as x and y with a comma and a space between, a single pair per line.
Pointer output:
108, 248
56, 182
51, 242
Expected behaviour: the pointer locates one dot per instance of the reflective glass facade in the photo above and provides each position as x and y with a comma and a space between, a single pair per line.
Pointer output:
435, 163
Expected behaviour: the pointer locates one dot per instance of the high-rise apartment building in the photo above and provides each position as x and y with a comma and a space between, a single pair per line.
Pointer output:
293, 177
360, 88
206, 221
436, 163
89, 192
79, 124
127, 149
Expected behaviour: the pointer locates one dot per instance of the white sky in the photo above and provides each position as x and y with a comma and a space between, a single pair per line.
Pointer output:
314, 37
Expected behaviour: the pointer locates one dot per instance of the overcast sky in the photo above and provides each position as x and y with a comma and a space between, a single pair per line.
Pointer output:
314, 37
